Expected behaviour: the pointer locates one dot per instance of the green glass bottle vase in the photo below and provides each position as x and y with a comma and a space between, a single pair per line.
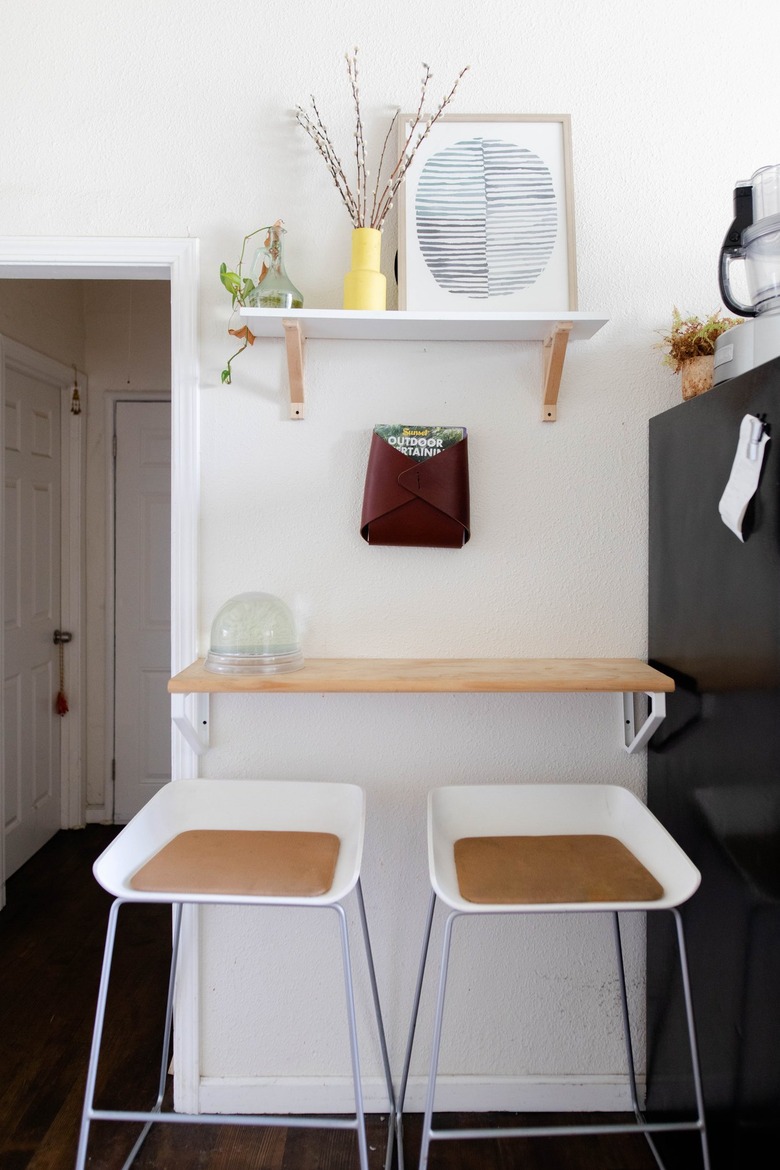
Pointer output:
274, 289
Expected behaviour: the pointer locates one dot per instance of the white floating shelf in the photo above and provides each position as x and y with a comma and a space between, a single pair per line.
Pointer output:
296, 325
351, 325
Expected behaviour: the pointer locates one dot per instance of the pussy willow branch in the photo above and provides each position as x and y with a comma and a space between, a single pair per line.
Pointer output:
417, 118
393, 121
360, 142
356, 203
318, 133
407, 155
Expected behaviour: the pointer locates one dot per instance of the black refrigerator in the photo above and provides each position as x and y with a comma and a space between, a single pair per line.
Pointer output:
714, 768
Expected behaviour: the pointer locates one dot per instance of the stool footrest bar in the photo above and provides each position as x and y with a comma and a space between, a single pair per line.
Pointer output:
259, 1119
562, 1130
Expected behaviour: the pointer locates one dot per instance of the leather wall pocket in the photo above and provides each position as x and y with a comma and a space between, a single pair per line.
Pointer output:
419, 500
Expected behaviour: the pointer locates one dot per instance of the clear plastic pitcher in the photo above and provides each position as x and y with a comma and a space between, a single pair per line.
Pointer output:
766, 193
762, 264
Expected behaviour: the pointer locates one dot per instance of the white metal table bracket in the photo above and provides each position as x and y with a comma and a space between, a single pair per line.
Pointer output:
634, 739
195, 729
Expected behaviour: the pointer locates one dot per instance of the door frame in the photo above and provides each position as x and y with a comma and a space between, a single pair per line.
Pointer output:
112, 397
24, 360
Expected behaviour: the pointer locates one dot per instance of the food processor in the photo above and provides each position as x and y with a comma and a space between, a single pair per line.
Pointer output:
754, 238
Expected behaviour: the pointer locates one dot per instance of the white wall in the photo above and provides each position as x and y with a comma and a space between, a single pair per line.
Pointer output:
47, 316
172, 120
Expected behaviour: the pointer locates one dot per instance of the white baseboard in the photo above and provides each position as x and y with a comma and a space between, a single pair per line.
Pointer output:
98, 816
277, 1095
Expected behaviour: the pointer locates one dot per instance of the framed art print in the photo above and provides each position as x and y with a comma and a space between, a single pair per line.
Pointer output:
486, 216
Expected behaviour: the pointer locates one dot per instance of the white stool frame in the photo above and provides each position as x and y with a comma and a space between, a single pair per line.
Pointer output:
641, 1125
188, 804
442, 887
156, 1114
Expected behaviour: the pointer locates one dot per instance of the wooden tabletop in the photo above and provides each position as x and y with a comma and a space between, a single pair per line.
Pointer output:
434, 675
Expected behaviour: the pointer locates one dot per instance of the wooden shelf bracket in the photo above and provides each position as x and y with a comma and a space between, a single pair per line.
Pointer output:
293, 339
554, 354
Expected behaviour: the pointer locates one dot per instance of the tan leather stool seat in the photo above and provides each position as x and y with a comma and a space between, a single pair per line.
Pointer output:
549, 869
242, 861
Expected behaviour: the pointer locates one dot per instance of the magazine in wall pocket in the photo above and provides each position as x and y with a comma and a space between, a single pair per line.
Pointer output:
417, 487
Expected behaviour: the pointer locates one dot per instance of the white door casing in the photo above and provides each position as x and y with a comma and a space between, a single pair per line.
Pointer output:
31, 572
95, 257
142, 624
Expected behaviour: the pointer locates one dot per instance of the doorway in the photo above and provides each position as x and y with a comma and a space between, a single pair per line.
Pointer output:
120, 331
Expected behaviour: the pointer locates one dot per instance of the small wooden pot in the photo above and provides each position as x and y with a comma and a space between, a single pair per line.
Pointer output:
697, 375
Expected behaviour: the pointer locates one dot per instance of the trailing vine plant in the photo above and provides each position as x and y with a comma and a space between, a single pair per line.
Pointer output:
239, 287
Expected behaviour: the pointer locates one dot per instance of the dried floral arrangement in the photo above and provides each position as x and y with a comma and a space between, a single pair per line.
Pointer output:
691, 337
369, 208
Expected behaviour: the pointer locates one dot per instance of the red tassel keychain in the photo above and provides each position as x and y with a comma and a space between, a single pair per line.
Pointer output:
61, 702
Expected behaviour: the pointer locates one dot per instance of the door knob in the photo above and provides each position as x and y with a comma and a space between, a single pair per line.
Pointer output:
61, 637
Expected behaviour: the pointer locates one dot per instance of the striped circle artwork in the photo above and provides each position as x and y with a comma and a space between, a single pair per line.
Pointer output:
486, 217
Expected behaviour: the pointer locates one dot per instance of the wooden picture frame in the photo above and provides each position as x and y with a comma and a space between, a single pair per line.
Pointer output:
486, 216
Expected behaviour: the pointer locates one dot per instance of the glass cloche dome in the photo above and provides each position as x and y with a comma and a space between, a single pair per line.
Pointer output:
254, 633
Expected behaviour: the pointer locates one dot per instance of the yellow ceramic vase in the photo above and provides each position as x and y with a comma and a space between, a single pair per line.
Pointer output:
364, 285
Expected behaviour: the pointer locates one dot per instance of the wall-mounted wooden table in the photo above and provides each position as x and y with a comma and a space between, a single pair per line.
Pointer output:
624, 676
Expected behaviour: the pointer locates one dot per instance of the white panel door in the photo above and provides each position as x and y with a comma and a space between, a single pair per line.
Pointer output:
31, 571
142, 608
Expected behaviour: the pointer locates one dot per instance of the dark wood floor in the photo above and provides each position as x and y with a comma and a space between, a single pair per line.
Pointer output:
51, 940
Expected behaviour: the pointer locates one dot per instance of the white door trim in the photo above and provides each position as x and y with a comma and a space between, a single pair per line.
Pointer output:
87, 257
112, 397
15, 356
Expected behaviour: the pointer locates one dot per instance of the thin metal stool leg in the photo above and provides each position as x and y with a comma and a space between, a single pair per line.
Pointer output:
626, 1021
360, 1118
380, 1025
168, 1028
97, 1035
693, 1044
638, 1114
89, 1099
412, 1029
428, 1117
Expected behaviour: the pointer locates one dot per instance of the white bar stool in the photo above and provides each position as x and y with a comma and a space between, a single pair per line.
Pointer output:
550, 849
246, 843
